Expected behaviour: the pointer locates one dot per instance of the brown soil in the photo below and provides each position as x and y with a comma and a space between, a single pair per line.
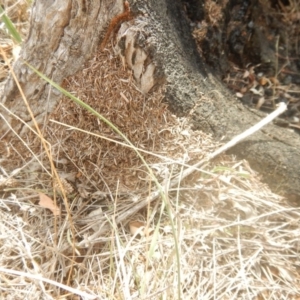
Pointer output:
253, 46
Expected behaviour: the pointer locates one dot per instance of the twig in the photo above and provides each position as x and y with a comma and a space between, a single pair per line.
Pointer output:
281, 108
55, 283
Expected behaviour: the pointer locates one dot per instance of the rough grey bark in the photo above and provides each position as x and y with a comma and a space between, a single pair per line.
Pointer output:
64, 35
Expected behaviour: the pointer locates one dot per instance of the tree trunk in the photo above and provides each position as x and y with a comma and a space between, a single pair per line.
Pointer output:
64, 34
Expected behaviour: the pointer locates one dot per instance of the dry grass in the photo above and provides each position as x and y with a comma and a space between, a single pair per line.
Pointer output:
237, 240
18, 12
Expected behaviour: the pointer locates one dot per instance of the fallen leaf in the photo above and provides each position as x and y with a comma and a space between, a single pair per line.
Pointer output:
263, 81
246, 74
260, 102
137, 227
95, 215
257, 91
47, 202
274, 80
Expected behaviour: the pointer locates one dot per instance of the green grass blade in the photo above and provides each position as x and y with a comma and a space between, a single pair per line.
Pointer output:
10, 26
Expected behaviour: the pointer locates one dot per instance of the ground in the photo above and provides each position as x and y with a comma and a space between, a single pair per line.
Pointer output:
253, 46
110, 228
